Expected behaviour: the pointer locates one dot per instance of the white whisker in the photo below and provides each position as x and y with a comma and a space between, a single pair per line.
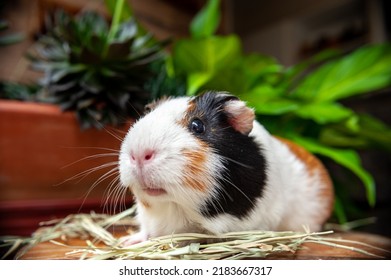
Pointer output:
91, 147
226, 192
91, 157
105, 176
232, 184
85, 173
120, 139
237, 162
114, 193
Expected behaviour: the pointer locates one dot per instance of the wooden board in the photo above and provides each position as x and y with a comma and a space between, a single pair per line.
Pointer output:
47, 250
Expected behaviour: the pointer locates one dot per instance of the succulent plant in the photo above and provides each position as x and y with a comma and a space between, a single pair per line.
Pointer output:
99, 74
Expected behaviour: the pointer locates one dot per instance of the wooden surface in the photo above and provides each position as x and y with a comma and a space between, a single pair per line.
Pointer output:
308, 251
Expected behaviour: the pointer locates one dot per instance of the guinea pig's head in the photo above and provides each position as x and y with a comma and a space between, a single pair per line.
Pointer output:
179, 150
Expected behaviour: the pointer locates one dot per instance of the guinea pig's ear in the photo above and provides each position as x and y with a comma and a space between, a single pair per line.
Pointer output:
240, 117
151, 106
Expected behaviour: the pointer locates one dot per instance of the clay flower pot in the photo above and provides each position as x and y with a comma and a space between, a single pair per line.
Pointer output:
41, 149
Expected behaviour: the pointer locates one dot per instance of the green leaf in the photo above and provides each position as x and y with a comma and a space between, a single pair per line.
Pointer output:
297, 70
277, 107
206, 22
243, 74
331, 136
210, 54
363, 132
267, 100
323, 113
196, 80
231, 78
345, 157
367, 69
206, 56
375, 131
258, 70
260, 94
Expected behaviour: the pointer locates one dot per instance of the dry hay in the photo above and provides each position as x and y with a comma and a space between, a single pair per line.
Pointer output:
97, 229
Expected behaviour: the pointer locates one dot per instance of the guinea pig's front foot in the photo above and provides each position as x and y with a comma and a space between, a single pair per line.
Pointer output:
129, 240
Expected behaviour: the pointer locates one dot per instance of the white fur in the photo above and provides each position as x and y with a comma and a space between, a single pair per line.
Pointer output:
283, 206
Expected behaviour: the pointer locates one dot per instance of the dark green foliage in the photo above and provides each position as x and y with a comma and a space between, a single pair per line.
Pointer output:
93, 71
303, 102
15, 91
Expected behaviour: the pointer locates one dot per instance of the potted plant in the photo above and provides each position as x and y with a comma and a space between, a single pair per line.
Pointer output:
97, 77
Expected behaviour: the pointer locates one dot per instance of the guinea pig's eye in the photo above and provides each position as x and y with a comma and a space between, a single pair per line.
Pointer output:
197, 126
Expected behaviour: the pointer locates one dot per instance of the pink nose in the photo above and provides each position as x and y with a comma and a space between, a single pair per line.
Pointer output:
142, 157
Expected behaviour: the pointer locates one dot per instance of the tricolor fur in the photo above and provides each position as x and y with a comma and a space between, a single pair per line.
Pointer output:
204, 164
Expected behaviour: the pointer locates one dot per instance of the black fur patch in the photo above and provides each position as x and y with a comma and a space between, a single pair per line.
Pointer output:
245, 168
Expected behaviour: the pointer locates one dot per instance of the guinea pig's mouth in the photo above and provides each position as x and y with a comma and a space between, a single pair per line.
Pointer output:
154, 191
149, 187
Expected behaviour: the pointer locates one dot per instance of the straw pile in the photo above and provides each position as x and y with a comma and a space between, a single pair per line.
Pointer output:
97, 231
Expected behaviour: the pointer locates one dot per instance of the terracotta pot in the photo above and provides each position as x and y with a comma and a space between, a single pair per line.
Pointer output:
42, 148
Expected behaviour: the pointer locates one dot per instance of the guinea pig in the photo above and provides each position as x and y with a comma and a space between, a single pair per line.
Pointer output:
204, 164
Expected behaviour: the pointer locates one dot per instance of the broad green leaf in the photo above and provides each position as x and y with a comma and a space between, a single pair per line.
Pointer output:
210, 56
204, 55
258, 64
334, 137
375, 131
276, 106
345, 157
231, 78
297, 70
367, 132
196, 80
367, 69
259, 70
266, 100
243, 74
206, 21
260, 95
323, 113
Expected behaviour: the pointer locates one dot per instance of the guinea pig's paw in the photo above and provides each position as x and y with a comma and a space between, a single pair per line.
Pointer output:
129, 240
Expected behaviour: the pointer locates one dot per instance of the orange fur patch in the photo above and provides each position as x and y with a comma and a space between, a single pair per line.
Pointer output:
145, 204
192, 106
195, 168
313, 164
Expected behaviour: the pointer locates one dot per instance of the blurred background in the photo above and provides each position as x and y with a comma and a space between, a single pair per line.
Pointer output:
44, 151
